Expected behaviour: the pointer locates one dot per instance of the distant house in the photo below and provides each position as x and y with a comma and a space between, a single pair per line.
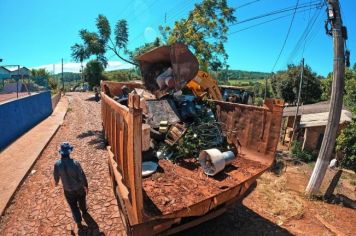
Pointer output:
4, 73
23, 72
310, 124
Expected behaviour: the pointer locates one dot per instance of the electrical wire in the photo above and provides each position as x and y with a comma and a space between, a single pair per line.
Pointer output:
265, 22
301, 6
287, 35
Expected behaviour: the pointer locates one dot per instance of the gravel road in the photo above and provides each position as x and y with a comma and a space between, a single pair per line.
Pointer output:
39, 208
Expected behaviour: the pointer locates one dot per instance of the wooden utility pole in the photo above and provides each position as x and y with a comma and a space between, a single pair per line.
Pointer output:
298, 102
62, 78
332, 126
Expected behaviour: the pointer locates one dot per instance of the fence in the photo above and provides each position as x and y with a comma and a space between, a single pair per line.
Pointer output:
18, 116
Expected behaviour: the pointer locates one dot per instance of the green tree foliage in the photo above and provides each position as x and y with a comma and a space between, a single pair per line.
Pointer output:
286, 84
205, 31
93, 73
326, 87
122, 75
97, 43
346, 143
53, 83
40, 77
79, 53
350, 89
40, 73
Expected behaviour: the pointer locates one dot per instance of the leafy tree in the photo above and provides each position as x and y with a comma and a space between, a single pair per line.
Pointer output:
79, 53
40, 73
350, 89
122, 75
326, 87
40, 77
286, 85
205, 31
93, 73
97, 43
53, 83
144, 48
346, 143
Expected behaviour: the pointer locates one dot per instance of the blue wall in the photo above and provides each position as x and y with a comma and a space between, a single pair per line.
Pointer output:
18, 116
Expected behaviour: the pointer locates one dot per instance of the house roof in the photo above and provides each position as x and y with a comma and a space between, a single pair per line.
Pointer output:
321, 119
307, 109
2, 67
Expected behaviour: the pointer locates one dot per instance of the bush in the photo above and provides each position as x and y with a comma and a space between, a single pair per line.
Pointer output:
346, 143
297, 152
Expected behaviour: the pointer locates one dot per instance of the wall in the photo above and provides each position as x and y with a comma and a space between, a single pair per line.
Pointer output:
18, 116
55, 100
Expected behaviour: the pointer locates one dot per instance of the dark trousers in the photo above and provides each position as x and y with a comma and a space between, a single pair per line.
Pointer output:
75, 199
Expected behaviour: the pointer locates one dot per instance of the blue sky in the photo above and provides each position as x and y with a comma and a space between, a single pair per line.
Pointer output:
38, 33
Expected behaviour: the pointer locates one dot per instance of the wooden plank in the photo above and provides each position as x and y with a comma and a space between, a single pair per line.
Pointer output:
117, 107
135, 155
122, 189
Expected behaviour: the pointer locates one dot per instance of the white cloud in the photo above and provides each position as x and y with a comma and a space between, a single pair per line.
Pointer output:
75, 67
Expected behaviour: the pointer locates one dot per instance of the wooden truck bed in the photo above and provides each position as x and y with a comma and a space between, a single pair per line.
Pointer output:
180, 195
175, 187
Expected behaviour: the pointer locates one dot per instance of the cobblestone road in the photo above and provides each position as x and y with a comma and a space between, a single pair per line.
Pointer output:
39, 208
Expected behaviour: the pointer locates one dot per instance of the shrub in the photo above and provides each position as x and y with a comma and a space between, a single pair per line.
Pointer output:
303, 155
346, 143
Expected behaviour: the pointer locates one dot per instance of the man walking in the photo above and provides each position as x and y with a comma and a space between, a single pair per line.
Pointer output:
74, 182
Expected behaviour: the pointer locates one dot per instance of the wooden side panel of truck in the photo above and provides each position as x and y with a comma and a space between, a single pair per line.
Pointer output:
256, 128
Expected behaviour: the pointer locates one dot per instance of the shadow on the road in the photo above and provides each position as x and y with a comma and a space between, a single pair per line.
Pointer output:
92, 99
92, 227
98, 138
239, 220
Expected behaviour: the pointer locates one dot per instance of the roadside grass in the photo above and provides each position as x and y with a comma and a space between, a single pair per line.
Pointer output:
279, 202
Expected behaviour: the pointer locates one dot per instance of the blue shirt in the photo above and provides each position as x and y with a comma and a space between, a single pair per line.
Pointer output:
71, 174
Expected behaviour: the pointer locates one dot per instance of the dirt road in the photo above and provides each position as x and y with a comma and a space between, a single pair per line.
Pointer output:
276, 207
40, 209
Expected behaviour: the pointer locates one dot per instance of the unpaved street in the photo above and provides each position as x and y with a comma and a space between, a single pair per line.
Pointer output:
40, 209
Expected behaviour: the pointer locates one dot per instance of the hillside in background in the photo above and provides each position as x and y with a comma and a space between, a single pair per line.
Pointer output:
246, 75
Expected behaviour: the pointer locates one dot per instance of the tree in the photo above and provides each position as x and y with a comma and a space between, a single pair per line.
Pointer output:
326, 87
346, 143
205, 31
40, 77
93, 73
350, 88
144, 48
97, 43
79, 53
286, 84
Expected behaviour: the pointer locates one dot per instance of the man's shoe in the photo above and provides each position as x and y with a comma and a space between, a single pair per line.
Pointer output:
80, 226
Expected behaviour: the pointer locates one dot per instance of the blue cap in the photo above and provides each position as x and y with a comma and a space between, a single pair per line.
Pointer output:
66, 148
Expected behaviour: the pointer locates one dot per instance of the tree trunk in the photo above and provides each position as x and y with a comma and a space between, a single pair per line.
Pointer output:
332, 126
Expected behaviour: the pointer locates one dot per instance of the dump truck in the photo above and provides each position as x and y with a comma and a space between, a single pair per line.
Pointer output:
179, 195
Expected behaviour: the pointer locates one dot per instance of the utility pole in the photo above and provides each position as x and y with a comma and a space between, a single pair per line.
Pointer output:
62, 78
298, 102
327, 146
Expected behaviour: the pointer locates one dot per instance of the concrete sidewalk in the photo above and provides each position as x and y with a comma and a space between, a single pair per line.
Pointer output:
18, 158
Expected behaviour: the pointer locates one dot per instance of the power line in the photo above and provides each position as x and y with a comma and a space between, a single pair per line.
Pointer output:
306, 5
246, 4
305, 36
265, 22
287, 35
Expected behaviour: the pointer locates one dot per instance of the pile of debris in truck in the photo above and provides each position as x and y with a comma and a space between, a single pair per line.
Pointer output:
177, 147
177, 124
